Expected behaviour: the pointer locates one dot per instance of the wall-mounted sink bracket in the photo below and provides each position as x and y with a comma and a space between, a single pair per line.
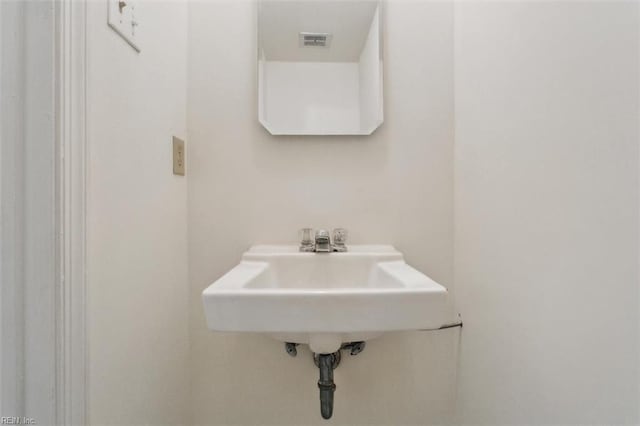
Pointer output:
327, 363
291, 348
354, 348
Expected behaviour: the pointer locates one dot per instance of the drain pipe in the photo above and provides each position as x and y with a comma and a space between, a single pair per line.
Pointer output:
326, 364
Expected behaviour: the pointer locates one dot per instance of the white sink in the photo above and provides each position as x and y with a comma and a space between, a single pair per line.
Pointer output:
324, 299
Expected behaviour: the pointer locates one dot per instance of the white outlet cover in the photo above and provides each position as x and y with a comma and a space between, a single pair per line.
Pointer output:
123, 19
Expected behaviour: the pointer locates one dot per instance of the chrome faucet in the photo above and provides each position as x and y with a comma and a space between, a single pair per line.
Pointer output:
321, 243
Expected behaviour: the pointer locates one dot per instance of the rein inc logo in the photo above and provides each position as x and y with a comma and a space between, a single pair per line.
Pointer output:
13, 420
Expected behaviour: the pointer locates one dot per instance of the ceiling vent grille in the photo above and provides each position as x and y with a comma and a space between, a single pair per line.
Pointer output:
315, 39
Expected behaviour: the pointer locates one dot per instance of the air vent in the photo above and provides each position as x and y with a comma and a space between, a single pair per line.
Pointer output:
315, 39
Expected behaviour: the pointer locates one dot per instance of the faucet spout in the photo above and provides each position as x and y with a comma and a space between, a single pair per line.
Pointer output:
323, 241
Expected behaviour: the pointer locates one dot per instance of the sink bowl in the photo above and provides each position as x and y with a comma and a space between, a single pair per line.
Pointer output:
324, 299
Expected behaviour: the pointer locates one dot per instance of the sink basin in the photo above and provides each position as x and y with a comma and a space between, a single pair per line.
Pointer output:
324, 299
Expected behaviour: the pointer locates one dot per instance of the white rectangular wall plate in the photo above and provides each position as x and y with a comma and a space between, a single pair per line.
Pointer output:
123, 19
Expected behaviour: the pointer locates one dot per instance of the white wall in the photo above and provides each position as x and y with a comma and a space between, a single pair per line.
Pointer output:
39, 211
248, 187
27, 210
546, 237
11, 206
137, 242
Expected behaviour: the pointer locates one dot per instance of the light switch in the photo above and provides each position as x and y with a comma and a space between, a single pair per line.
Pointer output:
123, 19
178, 156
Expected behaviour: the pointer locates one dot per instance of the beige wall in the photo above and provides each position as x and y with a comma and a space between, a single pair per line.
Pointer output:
547, 212
137, 221
248, 187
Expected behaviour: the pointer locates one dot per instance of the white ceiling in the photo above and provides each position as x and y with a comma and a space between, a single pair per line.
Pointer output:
281, 22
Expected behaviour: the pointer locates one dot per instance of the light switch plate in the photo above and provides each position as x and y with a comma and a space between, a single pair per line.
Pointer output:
178, 157
123, 19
